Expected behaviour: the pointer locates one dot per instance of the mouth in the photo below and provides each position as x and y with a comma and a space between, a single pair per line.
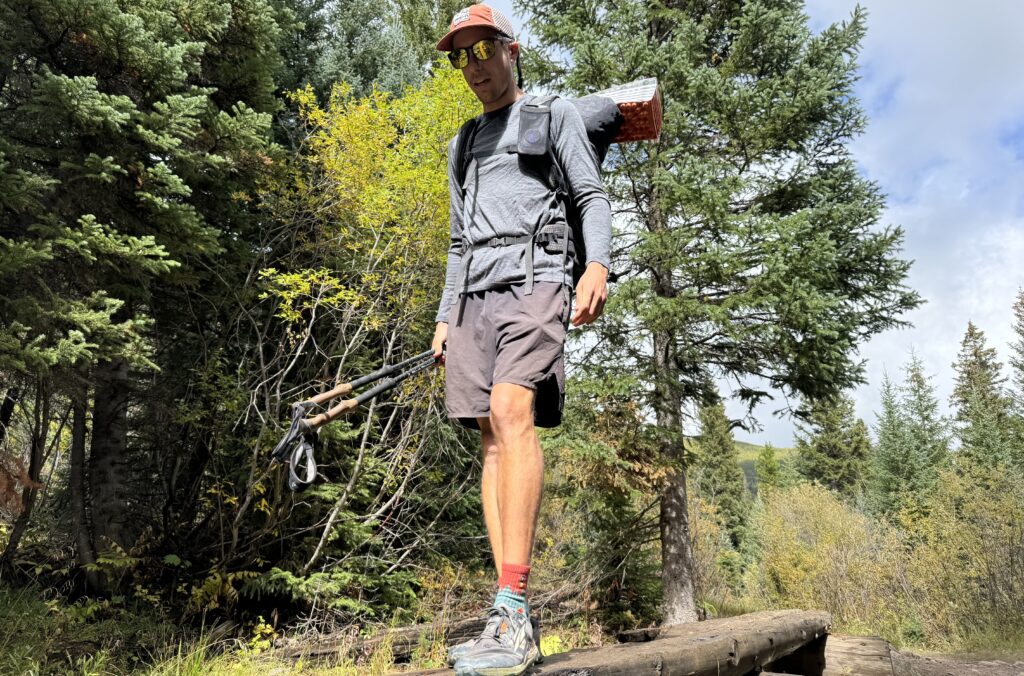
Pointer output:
480, 83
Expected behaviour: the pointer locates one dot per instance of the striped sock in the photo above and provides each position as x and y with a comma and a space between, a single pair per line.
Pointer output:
512, 588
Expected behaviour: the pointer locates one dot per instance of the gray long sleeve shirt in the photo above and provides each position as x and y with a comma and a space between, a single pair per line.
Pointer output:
503, 200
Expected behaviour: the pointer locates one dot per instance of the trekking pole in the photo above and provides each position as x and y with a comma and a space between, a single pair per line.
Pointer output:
299, 442
415, 364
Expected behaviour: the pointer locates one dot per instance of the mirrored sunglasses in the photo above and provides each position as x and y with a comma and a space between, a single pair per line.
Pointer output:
482, 50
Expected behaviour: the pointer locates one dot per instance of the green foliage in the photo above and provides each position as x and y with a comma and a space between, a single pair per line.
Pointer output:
1017, 352
965, 570
983, 409
944, 574
978, 379
769, 471
41, 633
833, 447
913, 443
717, 476
108, 145
367, 47
816, 551
598, 527
758, 249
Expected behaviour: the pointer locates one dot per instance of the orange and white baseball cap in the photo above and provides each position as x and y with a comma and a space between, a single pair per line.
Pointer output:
476, 15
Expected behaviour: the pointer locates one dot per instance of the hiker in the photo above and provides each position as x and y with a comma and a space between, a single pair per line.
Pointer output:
506, 305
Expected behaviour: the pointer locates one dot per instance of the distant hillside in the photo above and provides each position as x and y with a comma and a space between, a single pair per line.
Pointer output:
748, 455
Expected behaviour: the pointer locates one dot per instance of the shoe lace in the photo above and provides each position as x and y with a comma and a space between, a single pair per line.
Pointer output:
492, 627
496, 617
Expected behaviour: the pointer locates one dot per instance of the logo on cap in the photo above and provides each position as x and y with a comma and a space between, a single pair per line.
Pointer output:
462, 16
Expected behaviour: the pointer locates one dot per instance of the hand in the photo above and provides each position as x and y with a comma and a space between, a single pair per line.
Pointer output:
591, 294
440, 336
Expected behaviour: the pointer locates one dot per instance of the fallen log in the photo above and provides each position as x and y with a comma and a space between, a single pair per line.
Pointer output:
733, 646
404, 641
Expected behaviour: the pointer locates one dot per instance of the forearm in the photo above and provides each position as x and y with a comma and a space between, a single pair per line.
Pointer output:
450, 280
596, 215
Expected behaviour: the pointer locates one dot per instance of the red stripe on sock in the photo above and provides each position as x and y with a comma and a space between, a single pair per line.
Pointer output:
514, 577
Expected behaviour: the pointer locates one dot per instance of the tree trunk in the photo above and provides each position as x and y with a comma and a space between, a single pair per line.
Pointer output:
108, 475
7, 411
35, 468
79, 517
678, 601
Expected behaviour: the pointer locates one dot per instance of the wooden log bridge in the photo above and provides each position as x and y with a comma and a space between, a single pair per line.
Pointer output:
787, 641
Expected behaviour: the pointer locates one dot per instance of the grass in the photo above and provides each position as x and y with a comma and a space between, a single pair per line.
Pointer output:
749, 451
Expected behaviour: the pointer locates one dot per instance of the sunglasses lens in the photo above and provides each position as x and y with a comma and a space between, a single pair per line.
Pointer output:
459, 58
484, 49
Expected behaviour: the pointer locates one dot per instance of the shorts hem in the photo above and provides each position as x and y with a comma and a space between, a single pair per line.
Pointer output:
528, 384
469, 421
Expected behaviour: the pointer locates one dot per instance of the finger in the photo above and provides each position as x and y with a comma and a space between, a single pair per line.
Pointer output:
583, 298
582, 317
595, 303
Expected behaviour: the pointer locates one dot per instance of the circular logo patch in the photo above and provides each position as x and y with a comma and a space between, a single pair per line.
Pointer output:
532, 136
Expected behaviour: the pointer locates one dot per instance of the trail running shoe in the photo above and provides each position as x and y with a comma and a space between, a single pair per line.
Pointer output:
460, 649
508, 650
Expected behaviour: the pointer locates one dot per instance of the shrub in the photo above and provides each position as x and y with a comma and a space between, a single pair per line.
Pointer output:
815, 551
966, 569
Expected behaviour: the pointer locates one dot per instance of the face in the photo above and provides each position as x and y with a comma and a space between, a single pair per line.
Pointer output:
491, 80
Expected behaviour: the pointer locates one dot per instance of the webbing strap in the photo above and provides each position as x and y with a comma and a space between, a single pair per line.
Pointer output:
502, 150
540, 103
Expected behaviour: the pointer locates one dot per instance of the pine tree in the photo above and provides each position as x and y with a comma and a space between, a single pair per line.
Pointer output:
978, 375
1017, 352
367, 46
892, 465
928, 432
719, 477
768, 469
752, 245
987, 433
1017, 384
913, 442
833, 447
983, 409
131, 136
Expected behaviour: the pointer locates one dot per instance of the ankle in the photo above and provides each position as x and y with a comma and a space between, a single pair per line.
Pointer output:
512, 586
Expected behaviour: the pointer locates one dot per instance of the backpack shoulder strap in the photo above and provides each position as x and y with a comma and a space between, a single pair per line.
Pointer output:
540, 102
462, 156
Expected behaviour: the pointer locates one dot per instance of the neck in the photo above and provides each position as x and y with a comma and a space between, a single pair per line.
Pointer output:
513, 94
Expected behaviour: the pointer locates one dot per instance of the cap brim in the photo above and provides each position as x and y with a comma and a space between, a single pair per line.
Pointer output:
445, 44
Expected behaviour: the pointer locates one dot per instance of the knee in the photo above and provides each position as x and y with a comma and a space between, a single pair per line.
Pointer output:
511, 410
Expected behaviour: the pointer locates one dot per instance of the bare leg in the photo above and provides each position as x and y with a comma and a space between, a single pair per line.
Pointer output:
520, 478
489, 489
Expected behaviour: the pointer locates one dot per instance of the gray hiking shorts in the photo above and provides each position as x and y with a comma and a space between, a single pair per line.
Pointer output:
504, 336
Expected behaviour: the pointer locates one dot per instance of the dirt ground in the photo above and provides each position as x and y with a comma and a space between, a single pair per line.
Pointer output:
909, 664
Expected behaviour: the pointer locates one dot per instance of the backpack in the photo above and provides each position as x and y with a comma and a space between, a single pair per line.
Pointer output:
602, 120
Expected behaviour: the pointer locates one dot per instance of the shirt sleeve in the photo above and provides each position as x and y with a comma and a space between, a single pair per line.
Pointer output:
455, 242
583, 175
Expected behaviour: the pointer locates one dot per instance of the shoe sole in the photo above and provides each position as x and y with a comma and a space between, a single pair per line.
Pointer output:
534, 657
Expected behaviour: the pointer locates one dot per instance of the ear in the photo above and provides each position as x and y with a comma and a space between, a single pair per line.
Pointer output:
513, 51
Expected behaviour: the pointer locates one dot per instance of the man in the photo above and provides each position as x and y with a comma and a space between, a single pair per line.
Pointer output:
505, 311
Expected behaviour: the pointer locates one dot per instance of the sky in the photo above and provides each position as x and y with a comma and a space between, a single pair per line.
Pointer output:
942, 85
